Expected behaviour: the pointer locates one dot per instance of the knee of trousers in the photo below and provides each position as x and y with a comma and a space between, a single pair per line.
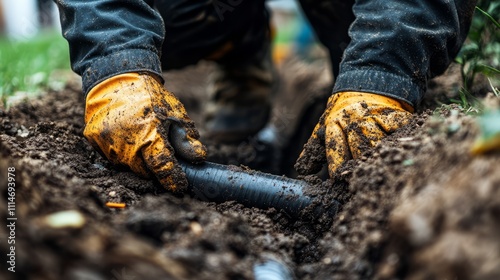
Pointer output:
195, 29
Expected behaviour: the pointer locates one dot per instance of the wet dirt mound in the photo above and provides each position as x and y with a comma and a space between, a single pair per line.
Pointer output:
446, 223
417, 206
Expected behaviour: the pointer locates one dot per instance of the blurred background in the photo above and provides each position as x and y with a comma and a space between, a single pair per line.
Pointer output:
24, 19
33, 54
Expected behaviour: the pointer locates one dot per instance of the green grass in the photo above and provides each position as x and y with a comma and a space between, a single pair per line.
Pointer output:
26, 66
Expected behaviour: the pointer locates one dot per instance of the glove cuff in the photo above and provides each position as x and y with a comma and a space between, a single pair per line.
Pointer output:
349, 97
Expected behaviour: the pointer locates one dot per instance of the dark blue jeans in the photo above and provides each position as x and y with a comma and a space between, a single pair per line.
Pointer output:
389, 47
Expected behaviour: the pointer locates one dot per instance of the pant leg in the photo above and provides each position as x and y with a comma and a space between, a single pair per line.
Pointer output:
111, 37
397, 45
195, 29
330, 20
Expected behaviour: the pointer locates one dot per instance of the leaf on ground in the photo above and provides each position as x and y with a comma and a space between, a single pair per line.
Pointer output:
489, 139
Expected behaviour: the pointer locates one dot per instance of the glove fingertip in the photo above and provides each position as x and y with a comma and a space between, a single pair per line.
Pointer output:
312, 158
186, 145
159, 159
338, 150
177, 187
173, 179
333, 165
195, 151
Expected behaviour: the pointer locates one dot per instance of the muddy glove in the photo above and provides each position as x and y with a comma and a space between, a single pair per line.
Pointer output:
351, 123
128, 118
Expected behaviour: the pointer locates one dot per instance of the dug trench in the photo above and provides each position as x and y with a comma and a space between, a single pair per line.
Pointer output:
417, 206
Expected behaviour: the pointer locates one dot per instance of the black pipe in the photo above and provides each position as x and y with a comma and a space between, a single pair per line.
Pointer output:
219, 183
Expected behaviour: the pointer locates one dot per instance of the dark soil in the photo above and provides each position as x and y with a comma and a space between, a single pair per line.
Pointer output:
417, 206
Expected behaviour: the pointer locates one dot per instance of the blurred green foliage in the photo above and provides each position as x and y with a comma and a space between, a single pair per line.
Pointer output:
26, 66
480, 54
489, 137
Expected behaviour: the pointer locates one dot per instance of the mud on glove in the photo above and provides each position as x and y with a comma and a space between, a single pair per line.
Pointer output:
351, 123
128, 118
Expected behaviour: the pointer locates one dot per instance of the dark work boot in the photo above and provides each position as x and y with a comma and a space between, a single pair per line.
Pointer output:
240, 105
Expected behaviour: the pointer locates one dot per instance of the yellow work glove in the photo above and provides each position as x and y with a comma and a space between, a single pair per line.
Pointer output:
128, 119
351, 123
